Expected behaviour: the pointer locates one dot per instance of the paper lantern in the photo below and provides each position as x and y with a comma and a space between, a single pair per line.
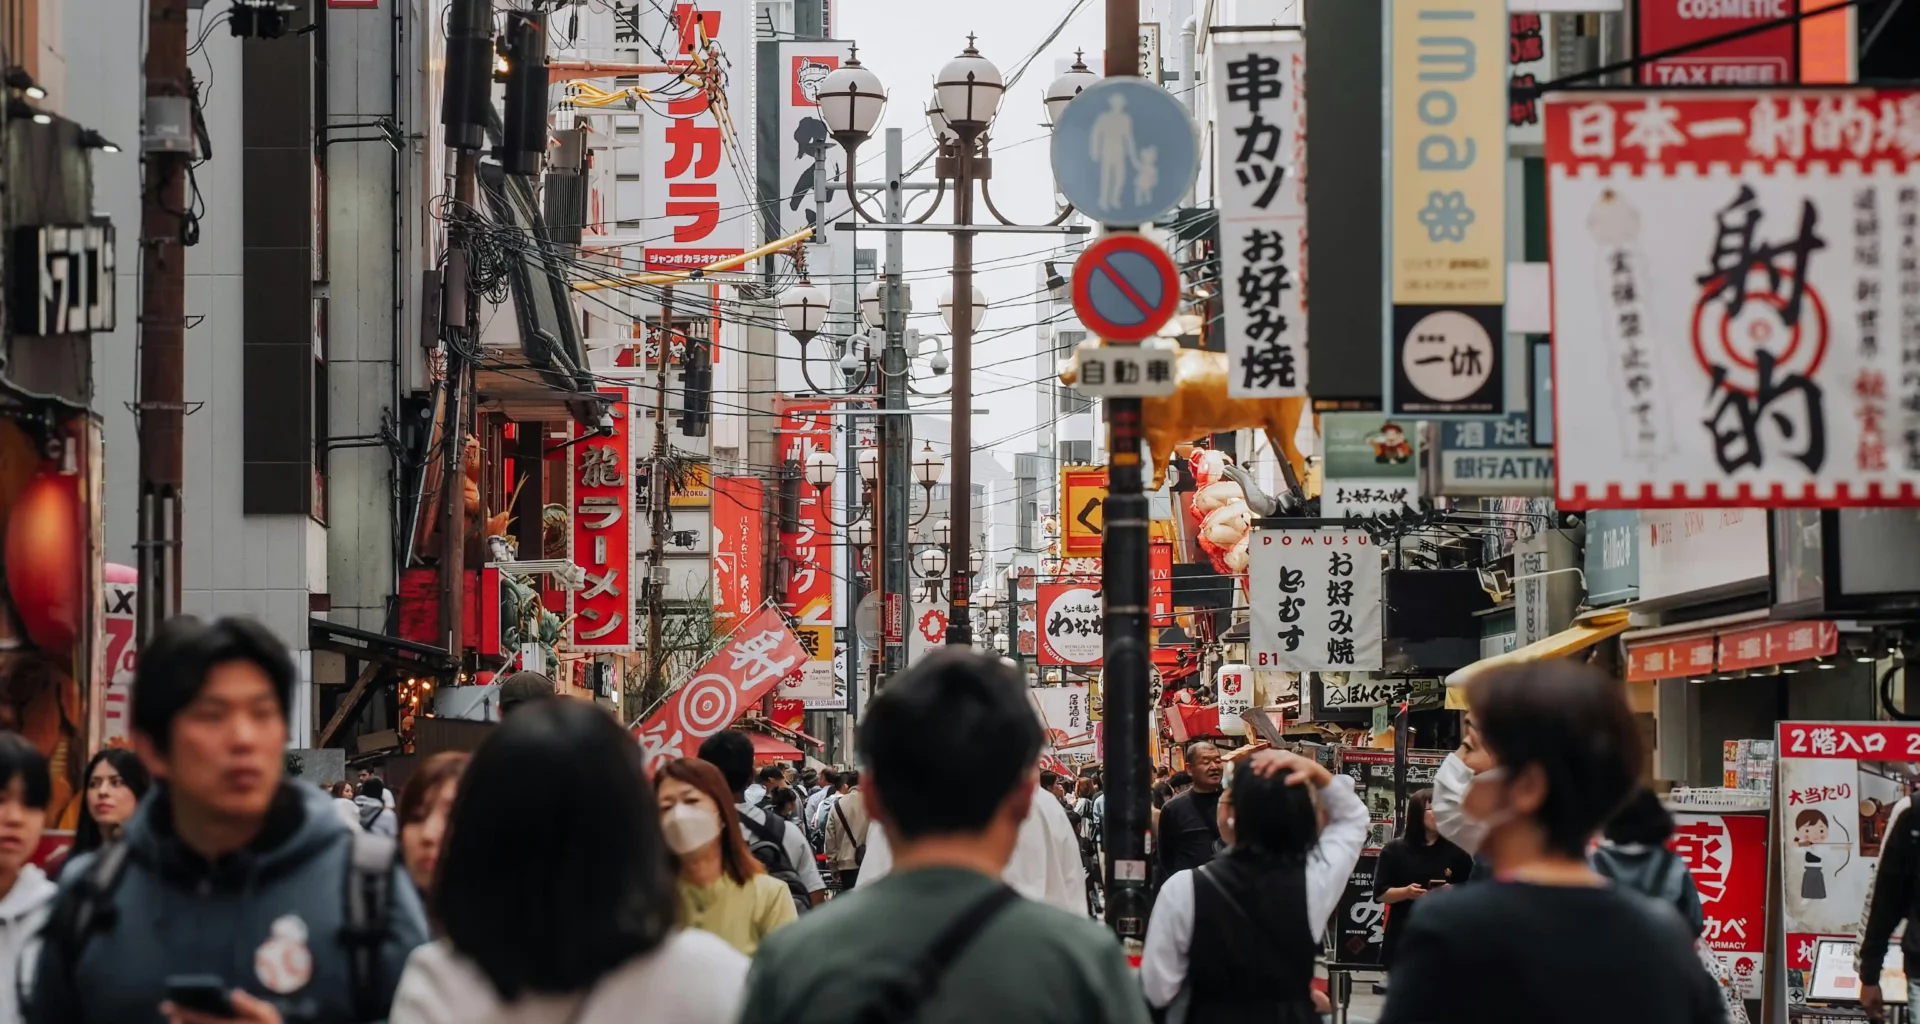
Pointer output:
45, 549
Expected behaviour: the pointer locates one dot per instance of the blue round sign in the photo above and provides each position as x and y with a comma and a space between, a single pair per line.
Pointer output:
1125, 151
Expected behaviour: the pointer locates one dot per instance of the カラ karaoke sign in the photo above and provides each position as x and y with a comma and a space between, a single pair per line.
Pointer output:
1315, 596
755, 659
1261, 161
1734, 314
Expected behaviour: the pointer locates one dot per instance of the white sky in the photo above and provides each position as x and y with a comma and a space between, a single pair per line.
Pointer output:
905, 42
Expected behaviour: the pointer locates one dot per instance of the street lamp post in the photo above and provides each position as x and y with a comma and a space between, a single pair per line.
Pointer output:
967, 94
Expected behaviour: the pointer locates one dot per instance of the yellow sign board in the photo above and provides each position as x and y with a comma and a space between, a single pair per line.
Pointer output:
697, 492
1449, 116
1083, 497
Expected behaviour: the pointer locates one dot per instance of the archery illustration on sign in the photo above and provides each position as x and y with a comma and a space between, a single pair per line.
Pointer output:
1810, 829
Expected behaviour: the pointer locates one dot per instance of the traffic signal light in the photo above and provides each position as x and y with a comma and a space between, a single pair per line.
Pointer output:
696, 389
524, 143
468, 88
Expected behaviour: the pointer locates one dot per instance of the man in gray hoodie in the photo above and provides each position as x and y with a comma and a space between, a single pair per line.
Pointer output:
227, 871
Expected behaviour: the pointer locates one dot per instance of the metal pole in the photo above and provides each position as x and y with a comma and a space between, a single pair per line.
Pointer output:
659, 494
163, 324
892, 580
1123, 551
960, 458
453, 474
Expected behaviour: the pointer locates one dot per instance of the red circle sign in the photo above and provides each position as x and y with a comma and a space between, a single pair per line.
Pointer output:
1125, 287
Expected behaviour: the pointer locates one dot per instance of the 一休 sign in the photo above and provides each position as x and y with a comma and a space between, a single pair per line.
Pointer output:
1447, 259
1732, 314
1261, 153
1315, 597
1071, 624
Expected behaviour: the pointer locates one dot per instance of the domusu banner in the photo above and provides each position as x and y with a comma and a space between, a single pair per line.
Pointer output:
1732, 311
761, 654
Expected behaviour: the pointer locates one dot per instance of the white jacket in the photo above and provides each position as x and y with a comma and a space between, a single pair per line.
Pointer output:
22, 911
1045, 865
693, 978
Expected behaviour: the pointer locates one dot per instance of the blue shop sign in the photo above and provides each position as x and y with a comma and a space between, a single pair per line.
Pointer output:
1612, 557
1492, 457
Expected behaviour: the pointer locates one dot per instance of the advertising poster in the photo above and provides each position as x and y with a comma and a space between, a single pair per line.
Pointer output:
808, 553
1083, 492
1447, 255
1066, 714
1836, 787
1493, 456
1315, 598
1529, 64
928, 629
601, 616
1071, 624
1371, 465
1262, 155
1359, 921
739, 546
1765, 58
695, 176
1732, 312
1727, 854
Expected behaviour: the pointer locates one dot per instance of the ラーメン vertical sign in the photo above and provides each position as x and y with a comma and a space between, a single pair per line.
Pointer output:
1447, 254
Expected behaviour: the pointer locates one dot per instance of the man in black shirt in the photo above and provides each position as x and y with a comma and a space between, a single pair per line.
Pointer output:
1189, 827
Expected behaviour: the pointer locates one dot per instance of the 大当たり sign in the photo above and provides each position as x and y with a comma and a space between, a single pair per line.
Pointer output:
1315, 598
1733, 324
1261, 150
759, 656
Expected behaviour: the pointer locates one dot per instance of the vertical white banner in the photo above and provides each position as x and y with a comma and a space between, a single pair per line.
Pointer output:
1260, 163
1315, 597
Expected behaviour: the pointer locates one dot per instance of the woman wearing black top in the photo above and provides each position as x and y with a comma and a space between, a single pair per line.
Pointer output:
1546, 938
1413, 866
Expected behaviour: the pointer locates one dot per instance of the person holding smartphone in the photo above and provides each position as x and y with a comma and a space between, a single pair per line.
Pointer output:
1418, 862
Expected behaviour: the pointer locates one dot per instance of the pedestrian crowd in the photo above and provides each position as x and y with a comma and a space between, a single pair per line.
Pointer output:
553, 876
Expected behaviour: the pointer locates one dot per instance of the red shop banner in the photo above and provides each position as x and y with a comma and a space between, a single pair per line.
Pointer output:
1777, 643
1670, 657
739, 546
1765, 58
756, 658
1727, 855
601, 613
1160, 583
808, 550
1878, 741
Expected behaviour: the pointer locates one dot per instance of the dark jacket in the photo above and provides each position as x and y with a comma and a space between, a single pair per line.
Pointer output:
1189, 832
1252, 951
1653, 871
1892, 899
266, 919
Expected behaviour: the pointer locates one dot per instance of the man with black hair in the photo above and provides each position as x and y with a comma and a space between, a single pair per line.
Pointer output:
26, 787
768, 779
375, 810
950, 749
783, 850
523, 688
227, 870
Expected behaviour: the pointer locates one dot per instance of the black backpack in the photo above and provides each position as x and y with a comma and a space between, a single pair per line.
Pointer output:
767, 841
89, 909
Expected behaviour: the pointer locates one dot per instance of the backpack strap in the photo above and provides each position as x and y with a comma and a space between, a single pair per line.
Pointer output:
369, 912
89, 907
769, 827
900, 1001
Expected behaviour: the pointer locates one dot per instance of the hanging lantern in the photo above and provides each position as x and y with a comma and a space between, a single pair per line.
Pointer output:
45, 547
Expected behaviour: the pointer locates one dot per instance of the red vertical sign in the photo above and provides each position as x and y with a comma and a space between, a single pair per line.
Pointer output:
1727, 854
1765, 58
1160, 584
601, 468
739, 545
808, 551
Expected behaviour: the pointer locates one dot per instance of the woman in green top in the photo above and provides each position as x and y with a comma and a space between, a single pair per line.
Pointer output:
723, 888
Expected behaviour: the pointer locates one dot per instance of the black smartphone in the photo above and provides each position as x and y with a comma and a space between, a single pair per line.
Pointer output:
201, 993
1435, 883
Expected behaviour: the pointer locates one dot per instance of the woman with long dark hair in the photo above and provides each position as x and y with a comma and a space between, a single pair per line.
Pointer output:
555, 891
1546, 937
1236, 938
425, 807
724, 889
116, 780
1414, 865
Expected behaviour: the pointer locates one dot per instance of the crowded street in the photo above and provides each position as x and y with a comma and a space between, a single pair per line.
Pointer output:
873, 512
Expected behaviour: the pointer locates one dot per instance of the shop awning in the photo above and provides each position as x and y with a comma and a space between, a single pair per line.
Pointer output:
769, 748
1572, 640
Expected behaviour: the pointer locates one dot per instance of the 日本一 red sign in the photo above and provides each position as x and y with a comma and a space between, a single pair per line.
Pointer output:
1765, 58
755, 659
1727, 854
601, 613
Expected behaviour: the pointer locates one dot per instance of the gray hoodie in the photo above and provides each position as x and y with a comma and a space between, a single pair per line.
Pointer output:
22, 911
1652, 871
266, 919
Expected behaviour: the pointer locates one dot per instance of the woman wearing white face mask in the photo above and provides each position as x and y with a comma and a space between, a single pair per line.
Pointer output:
723, 888
1546, 937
